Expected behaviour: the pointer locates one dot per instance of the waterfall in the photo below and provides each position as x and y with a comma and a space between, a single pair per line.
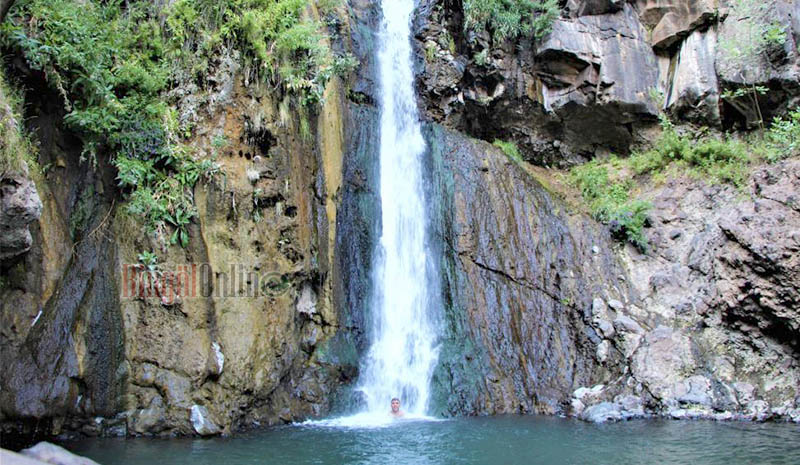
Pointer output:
403, 351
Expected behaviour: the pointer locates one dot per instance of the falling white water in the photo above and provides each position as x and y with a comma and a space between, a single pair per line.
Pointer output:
403, 353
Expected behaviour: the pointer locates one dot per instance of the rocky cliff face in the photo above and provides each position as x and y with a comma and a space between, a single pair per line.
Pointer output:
713, 332
252, 335
520, 271
544, 312
702, 326
598, 80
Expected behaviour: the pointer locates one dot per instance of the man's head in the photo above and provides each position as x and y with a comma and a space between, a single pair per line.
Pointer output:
395, 405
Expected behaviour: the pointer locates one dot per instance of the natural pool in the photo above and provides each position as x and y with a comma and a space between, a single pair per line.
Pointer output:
483, 440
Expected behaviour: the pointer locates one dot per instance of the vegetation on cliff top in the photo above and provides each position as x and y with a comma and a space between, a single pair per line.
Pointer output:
511, 18
113, 63
612, 188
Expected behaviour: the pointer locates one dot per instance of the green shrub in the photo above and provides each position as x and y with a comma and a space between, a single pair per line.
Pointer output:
606, 186
610, 202
510, 149
721, 160
508, 19
783, 137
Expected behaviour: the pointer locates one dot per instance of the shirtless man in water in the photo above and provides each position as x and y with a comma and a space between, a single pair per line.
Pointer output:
396, 412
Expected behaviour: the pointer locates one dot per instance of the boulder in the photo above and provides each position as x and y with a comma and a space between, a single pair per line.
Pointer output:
759, 410
616, 305
150, 420
630, 406
744, 392
601, 59
694, 413
626, 324
671, 20
596, 74
19, 207
12, 458
606, 328
662, 359
577, 407
599, 309
53, 454
602, 351
202, 423
602, 412
695, 390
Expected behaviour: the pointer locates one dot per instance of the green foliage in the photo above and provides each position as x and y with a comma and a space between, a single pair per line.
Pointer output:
149, 260
113, 61
608, 186
610, 201
15, 146
430, 51
482, 58
161, 189
508, 19
755, 32
509, 148
783, 137
656, 96
775, 35
720, 160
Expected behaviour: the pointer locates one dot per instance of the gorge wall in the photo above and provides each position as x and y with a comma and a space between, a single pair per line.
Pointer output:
700, 326
544, 311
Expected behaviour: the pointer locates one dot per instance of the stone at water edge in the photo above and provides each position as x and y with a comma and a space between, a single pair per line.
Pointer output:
201, 423
602, 412
53, 454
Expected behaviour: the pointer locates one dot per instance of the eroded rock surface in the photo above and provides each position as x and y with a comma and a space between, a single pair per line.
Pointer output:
19, 207
718, 302
519, 273
595, 83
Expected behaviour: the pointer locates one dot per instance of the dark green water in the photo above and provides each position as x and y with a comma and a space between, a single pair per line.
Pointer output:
497, 440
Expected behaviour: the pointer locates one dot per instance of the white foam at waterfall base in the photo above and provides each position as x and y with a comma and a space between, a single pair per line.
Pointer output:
368, 420
403, 351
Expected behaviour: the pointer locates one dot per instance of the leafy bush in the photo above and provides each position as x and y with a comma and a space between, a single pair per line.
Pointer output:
113, 60
783, 137
606, 186
721, 160
508, 19
610, 202
509, 148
